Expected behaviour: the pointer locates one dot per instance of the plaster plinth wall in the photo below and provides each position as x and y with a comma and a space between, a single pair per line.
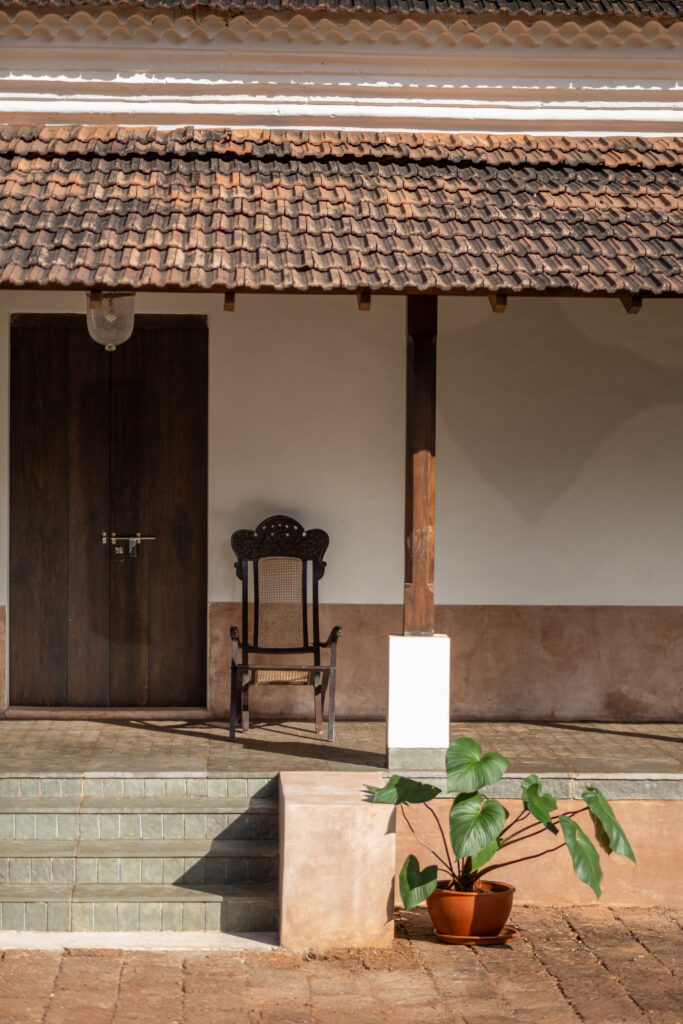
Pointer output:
337, 858
652, 826
559, 494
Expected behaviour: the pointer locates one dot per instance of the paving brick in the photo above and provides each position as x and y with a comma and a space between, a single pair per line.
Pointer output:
659, 932
647, 981
86, 989
26, 983
595, 994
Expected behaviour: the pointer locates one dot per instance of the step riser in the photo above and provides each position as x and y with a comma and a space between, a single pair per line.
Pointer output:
120, 825
109, 870
75, 787
111, 853
231, 915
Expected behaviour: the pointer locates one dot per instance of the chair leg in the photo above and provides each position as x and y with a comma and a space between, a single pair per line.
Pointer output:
233, 702
245, 701
330, 713
317, 699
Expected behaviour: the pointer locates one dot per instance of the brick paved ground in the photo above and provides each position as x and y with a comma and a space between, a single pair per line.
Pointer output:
595, 965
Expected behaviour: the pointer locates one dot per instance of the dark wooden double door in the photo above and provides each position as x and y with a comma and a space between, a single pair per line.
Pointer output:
108, 443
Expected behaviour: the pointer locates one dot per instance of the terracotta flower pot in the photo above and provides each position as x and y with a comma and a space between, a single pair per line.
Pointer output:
482, 912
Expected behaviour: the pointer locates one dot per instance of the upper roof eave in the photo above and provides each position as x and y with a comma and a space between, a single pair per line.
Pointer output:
663, 11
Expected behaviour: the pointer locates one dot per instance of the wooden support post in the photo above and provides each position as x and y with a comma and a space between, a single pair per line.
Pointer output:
499, 302
418, 598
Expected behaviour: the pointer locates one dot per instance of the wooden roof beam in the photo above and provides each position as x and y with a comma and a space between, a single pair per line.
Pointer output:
499, 301
632, 303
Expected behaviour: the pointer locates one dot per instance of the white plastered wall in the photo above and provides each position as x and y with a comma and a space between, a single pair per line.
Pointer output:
559, 442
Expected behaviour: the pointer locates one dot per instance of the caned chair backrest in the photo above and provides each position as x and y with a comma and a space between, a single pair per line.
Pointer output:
279, 564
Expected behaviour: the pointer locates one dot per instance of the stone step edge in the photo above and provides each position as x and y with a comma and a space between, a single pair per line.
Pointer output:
143, 773
104, 849
138, 805
185, 941
137, 892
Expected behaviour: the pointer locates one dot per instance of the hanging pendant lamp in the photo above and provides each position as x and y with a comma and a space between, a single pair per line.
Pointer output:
110, 317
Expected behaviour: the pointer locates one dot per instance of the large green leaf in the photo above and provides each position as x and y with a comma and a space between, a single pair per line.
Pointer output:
475, 822
484, 856
415, 885
585, 857
400, 790
468, 769
537, 803
608, 832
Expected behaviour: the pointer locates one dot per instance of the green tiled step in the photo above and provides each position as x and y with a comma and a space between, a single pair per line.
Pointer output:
137, 860
52, 787
106, 908
150, 818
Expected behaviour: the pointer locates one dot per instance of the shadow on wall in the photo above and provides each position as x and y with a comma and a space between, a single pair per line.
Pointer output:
532, 399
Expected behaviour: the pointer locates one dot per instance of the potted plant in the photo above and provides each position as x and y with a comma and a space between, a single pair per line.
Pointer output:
464, 905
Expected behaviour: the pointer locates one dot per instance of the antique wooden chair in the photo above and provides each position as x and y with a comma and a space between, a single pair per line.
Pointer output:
276, 616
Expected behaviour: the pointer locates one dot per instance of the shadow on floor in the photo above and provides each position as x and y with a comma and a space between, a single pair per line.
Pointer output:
630, 732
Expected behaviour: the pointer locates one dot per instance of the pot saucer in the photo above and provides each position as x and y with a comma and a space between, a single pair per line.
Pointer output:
505, 935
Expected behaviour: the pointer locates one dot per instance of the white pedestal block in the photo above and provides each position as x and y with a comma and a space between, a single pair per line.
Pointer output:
419, 702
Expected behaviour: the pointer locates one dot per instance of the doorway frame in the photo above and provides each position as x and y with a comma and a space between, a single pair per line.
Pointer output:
152, 712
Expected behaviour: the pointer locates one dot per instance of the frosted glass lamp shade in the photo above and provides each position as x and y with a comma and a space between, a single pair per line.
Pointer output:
110, 318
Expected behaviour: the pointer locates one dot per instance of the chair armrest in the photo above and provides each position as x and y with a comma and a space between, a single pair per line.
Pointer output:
335, 633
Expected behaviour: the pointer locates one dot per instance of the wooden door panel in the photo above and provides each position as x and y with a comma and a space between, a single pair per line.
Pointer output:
88, 585
177, 504
38, 513
131, 370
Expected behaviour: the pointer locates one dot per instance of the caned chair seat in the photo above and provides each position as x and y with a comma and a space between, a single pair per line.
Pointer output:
280, 564
284, 676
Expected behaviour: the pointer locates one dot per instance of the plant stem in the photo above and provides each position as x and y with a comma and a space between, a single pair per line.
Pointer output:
433, 852
507, 863
520, 817
517, 837
445, 844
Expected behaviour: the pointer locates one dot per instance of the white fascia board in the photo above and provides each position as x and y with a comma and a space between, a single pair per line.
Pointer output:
445, 75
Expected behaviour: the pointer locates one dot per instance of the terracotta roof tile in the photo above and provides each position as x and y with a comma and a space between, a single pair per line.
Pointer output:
661, 10
206, 209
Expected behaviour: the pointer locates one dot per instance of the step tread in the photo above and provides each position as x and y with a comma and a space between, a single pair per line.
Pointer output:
135, 892
138, 805
106, 848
